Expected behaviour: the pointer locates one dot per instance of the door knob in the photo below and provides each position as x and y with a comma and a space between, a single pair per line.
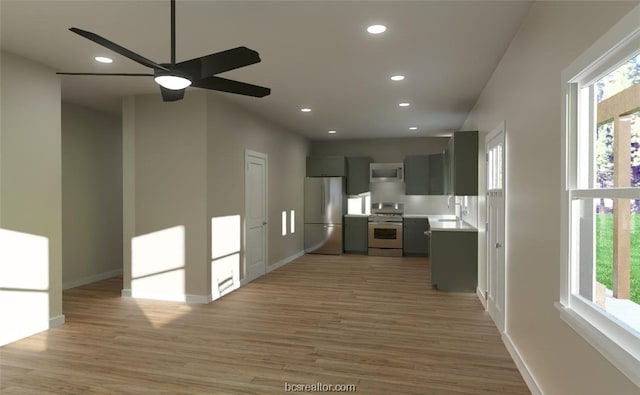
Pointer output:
498, 245
264, 223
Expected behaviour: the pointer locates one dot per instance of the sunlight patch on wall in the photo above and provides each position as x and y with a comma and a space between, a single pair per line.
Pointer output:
24, 285
225, 255
284, 222
292, 218
157, 265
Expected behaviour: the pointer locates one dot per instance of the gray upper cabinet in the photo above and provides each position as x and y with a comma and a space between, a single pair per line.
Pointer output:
326, 166
358, 174
416, 175
436, 174
461, 164
424, 174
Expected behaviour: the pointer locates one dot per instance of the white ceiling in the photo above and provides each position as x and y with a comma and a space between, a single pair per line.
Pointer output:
314, 54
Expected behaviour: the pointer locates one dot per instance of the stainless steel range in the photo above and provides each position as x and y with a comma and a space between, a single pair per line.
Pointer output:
385, 229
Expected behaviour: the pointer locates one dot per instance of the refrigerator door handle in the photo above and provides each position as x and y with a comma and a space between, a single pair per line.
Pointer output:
322, 198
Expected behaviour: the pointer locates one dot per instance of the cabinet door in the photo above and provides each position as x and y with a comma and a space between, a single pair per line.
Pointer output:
465, 179
448, 168
416, 175
358, 174
436, 174
454, 261
415, 242
355, 235
325, 166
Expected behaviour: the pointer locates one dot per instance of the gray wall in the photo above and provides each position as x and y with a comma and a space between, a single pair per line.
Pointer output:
184, 164
91, 195
231, 130
30, 163
525, 92
381, 150
169, 160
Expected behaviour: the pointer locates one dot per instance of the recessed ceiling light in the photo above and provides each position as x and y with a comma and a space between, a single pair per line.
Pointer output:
305, 109
397, 78
413, 128
103, 59
376, 29
404, 104
331, 132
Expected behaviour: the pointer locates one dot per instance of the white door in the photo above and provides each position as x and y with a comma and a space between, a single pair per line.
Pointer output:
255, 256
496, 270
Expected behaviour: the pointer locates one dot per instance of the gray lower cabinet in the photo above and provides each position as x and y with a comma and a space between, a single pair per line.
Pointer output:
415, 242
326, 166
454, 260
358, 174
355, 235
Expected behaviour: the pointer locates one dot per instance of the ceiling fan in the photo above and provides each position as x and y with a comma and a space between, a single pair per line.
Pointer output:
200, 72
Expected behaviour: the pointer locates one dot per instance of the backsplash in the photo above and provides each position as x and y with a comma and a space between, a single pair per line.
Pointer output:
413, 204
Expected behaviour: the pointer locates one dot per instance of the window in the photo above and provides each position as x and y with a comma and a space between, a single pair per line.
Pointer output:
600, 289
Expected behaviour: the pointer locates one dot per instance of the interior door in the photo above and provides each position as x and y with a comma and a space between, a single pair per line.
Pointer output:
496, 270
255, 257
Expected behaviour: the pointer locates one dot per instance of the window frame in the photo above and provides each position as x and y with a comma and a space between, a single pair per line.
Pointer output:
605, 333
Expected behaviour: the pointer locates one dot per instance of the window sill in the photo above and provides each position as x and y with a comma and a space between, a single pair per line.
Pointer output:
614, 353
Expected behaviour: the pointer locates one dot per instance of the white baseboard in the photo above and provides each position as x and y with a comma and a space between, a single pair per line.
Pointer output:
201, 299
187, 298
56, 321
284, 261
483, 300
522, 366
91, 279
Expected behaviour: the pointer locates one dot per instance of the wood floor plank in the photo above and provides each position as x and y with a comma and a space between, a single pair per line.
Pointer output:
374, 322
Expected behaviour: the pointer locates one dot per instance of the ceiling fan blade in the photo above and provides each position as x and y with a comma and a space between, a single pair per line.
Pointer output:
171, 95
118, 74
118, 49
225, 85
219, 62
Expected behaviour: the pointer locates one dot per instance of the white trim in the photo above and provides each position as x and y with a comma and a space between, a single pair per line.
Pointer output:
631, 193
498, 134
501, 128
185, 298
481, 298
56, 321
615, 354
276, 265
91, 279
605, 334
619, 42
522, 366
200, 299
247, 154
284, 261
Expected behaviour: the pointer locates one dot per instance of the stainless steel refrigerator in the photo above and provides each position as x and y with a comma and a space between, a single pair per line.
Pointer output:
323, 210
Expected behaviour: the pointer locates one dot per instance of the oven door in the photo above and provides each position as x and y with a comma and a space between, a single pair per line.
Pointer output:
385, 235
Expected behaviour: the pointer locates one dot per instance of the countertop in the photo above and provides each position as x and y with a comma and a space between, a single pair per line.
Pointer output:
356, 215
437, 224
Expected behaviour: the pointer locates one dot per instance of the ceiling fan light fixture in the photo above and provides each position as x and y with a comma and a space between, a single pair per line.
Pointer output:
103, 59
377, 29
174, 79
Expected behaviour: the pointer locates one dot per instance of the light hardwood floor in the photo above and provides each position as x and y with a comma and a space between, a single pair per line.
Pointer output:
370, 321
